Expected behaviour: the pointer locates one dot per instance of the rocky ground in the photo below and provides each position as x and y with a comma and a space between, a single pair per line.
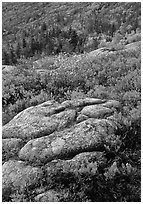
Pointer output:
45, 138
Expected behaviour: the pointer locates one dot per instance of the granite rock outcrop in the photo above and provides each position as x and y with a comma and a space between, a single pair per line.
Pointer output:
42, 139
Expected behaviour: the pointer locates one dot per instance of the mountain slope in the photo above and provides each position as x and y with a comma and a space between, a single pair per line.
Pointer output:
21, 15
31, 29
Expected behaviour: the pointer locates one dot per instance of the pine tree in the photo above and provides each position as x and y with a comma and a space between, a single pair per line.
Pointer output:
18, 50
73, 39
5, 58
12, 56
24, 43
43, 27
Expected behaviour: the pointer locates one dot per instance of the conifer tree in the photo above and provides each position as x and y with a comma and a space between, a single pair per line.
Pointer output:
12, 56
24, 43
18, 50
44, 27
5, 58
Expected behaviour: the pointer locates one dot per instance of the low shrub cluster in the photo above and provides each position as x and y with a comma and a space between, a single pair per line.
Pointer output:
116, 77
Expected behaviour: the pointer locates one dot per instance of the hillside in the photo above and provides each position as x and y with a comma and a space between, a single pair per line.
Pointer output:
31, 29
71, 102
17, 16
25, 15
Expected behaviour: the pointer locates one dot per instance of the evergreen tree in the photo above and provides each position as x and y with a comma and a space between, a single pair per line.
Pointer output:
12, 56
18, 50
112, 28
73, 39
43, 27
33, 46
5, 58
24, 43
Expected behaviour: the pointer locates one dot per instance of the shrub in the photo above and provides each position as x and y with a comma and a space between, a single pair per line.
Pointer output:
132, 98
98, 91
133, 38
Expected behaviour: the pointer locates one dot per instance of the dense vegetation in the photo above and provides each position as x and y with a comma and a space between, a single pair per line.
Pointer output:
113, 77
49, 28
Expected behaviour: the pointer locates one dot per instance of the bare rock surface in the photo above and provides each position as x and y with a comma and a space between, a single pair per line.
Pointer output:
95, 111
8, 68
89, 160
135, 46
68, 136
18, 175
37, 122
88, 135
49, 196
11, 147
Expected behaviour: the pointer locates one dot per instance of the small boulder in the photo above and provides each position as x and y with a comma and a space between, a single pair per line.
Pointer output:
82, 102
38, 121
112, 171
135, 46
96, 111
81, 118
8, 68
10, 148
49, 196
19, 176
112, 104
86, 162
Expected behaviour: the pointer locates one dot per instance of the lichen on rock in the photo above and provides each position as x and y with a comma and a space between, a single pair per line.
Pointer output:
70, 136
